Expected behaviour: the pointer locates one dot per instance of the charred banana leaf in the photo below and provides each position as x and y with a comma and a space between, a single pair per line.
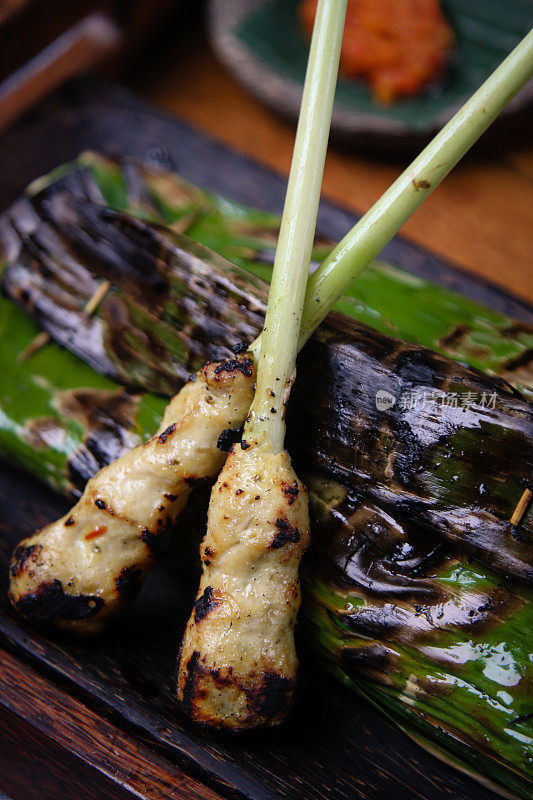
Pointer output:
451, 448
59, 419
431, 637
384, 297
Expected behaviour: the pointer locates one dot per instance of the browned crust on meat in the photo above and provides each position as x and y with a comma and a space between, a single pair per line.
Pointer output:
224, 373
49, 601
290, 490
204, 604
286, 533
268, 700
166, 433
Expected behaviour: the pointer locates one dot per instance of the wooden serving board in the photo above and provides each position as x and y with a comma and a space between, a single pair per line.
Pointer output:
101, 717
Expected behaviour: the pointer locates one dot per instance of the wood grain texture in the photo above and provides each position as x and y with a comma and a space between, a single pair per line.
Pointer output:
480, 218
34, 767
113, 760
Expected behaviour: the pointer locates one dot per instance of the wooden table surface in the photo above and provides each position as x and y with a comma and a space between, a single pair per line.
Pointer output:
480, 218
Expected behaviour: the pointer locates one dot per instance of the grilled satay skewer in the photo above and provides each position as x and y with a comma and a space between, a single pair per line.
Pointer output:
57, 576
79, 572
238, 661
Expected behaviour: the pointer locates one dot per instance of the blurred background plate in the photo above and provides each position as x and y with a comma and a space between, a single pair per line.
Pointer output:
263, 45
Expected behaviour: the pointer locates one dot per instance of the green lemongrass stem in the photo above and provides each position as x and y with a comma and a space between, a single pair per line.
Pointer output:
377, 227
276, 365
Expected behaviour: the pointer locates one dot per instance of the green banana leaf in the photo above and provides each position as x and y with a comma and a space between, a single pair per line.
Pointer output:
493, 738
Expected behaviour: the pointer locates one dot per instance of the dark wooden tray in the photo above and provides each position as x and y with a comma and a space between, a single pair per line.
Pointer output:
335, 745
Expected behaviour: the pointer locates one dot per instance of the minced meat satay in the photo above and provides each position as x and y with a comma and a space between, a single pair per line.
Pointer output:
238, 660
79, 572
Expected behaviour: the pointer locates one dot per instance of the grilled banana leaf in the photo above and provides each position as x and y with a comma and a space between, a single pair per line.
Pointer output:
384, 297
435, 639
453, 449
439, 642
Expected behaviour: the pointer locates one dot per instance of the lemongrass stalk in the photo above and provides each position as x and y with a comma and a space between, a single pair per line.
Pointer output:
276, 365
366, 239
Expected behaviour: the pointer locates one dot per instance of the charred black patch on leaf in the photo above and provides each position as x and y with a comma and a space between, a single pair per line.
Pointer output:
204, 604
69, 521
166, 433
128, 583
228, 438
290, 491
519, 535
241, 347
21, 556
244, 365
521, 361
375, 660
171, 497
49, 601
454, 337
106, 416
286, 533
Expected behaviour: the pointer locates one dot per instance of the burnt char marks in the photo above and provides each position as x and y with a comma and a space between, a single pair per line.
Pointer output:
194, 672
286, 533
273, 696
266, 700
269, 698
166, 433
158, 542
50, 602
244, 365
228, 438
21, 556
239, 348
290, 490
128, 583
204, 604
107, 417
374, 661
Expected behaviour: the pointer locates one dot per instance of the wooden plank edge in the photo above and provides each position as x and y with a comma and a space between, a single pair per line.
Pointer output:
100, 744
